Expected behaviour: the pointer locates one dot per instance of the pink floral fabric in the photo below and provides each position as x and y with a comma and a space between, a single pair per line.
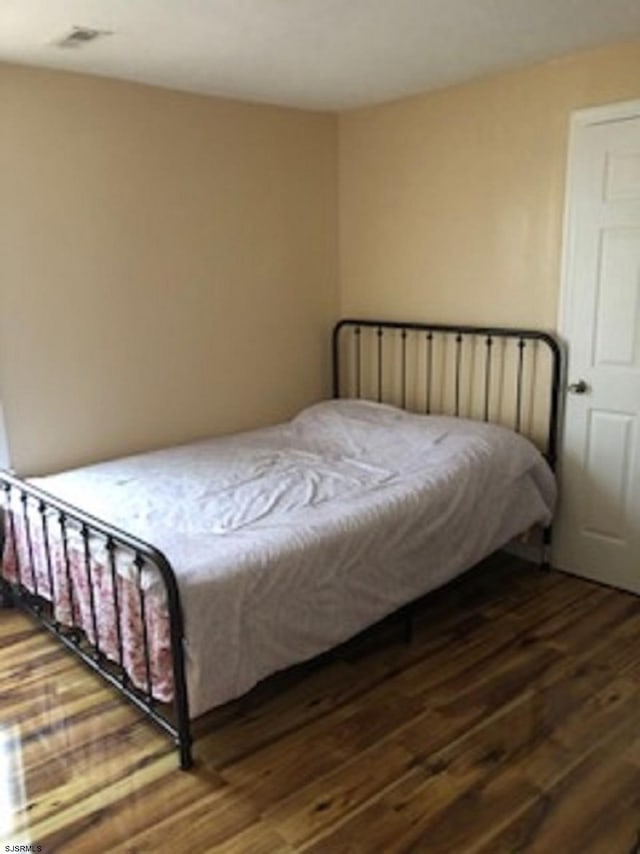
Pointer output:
70, 582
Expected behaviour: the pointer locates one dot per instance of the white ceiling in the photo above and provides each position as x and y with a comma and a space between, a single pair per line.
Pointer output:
322, 54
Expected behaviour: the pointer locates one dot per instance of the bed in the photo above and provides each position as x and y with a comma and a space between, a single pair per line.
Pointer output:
186, 575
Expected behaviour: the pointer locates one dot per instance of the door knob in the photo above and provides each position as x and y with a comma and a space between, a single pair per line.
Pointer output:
579, 388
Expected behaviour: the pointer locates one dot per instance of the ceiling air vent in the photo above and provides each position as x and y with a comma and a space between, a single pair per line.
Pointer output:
79, 36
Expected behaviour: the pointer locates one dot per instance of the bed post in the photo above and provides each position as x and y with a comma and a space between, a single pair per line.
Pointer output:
546, 548
557, 356
181, 699
6, 599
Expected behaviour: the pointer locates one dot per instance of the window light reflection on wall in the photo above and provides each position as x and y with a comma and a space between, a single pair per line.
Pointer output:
4, 446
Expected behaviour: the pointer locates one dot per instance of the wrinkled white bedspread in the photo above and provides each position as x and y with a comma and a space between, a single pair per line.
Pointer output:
290, 539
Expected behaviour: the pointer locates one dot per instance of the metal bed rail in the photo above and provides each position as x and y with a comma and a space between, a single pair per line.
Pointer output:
60, 525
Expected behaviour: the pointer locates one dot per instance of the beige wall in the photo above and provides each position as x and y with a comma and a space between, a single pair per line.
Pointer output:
451, 204
168, 265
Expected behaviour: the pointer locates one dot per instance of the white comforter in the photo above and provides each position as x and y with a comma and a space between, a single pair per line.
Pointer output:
288, 540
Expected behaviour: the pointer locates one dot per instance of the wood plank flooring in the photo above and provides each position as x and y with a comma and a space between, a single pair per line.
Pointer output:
511, 723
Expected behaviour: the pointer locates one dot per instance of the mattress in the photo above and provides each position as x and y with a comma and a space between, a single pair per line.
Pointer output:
288, 540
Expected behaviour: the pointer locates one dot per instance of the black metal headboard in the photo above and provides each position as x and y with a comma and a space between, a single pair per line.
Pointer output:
506, 376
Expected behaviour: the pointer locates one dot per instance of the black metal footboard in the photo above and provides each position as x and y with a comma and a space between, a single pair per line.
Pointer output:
92, 585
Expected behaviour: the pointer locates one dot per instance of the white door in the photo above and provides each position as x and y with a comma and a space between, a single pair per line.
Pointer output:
599, 521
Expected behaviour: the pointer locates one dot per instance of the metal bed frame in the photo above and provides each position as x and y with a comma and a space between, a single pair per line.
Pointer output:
380, 360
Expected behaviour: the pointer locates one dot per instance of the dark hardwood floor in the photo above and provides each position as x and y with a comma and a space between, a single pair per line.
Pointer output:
511, 723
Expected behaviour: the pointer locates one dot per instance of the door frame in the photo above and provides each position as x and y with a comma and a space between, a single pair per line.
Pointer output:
579, 119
